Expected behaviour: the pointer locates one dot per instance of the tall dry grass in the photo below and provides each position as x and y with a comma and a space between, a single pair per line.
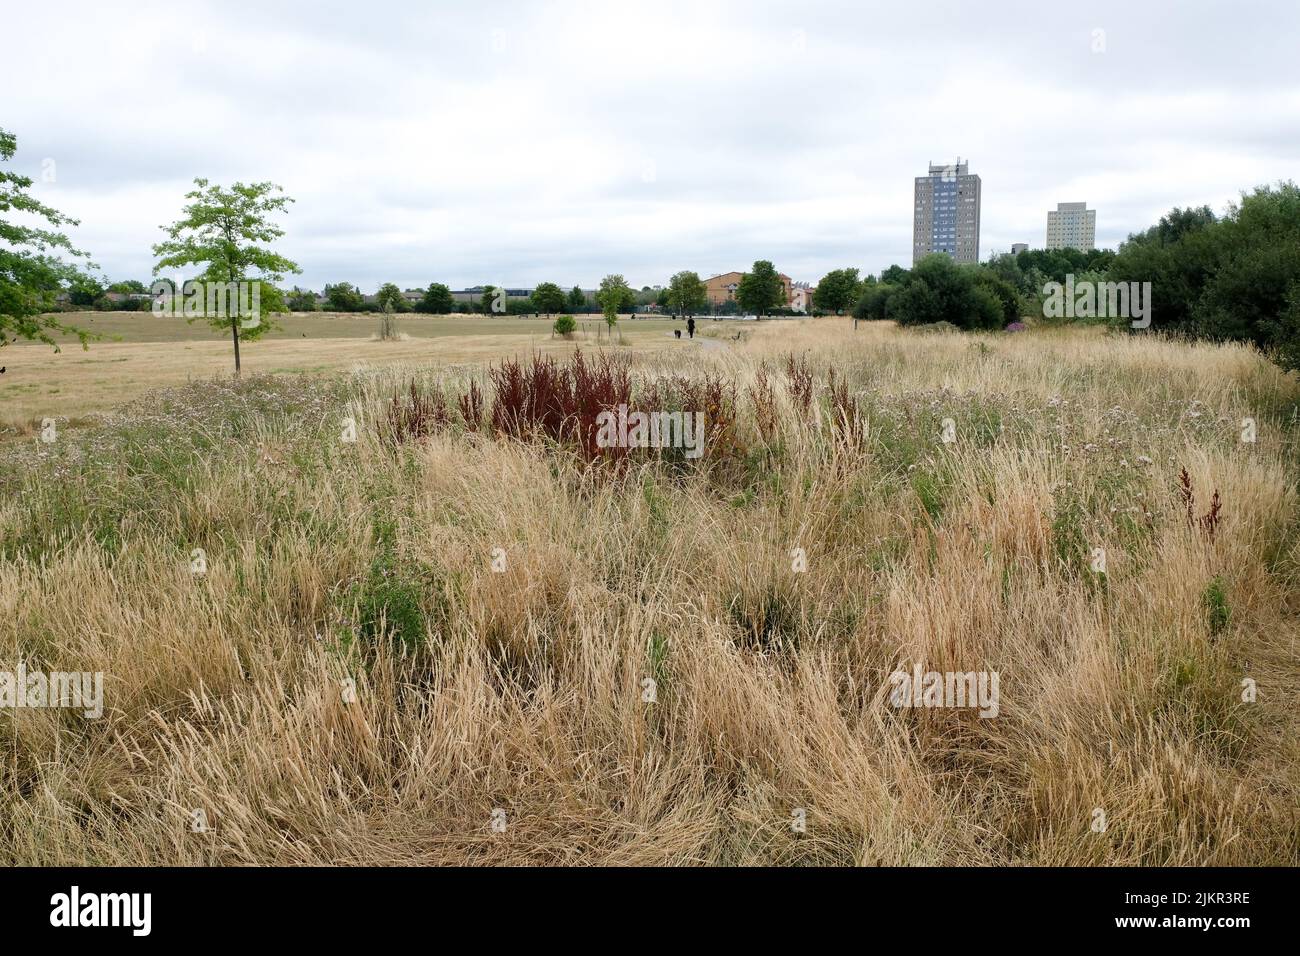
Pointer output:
522, 690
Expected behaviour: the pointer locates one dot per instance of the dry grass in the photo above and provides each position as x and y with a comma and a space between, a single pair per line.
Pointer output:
522, 691
141, 352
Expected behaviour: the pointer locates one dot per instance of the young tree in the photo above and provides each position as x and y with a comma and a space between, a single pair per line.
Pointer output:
389, 298
31, 270
686, 293
548, 298
577, 301
436, 299
760, 290
229, 232
838, 290
613, 295
344, 297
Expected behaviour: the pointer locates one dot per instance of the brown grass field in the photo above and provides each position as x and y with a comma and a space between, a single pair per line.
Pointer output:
457, 641
140, 351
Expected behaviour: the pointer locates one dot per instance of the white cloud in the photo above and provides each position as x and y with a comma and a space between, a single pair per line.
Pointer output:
526, 141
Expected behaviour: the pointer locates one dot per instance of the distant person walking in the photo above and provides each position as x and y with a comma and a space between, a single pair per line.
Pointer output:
690, 326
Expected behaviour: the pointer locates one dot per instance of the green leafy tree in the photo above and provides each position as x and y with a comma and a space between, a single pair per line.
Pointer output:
646, 296
939, 290
436, 300
896, 275
123, 297
344, 297
389, 298
32, 270
577, 300
874, 301
1008, 298
1177, 256
687, 294
564, 326
229, 232
85, 291
301, 300
986, 310
838, 290
614, 295
1053, 264
1287, 350
1006, 267
548, 298
1235, 278
273, 299
493, 301
1250, 295
760, 290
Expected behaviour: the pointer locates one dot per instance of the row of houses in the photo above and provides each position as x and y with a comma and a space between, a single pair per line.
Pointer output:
471, 295
719, 289
63, 298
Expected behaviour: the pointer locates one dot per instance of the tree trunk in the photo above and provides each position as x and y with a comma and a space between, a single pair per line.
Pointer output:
234, 335
234, 319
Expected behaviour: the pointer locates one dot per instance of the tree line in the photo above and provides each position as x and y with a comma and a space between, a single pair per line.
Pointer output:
1230, 277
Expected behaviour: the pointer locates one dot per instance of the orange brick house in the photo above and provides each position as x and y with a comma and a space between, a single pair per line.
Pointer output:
720, 289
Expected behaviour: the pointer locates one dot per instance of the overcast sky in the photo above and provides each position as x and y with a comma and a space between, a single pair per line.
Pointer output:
512, 143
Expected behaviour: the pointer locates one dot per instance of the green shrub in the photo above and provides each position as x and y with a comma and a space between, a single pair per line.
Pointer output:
399, 600
940, 290
1215, 603
768, 619
1069, 540
564, 325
